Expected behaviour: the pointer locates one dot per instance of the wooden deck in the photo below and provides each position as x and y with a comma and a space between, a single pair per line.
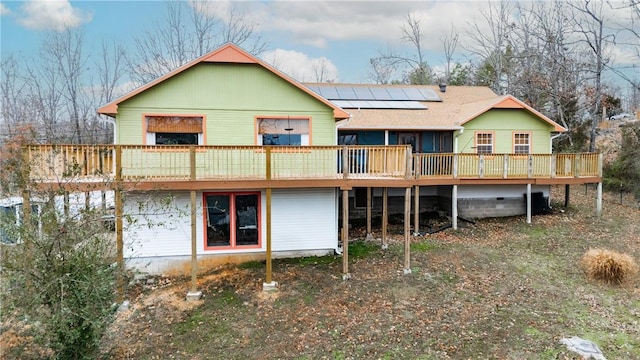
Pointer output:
227, 167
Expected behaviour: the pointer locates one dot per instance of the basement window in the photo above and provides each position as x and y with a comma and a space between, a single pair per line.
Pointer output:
232, 220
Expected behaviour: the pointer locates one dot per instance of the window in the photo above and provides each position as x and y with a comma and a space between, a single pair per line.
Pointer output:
232, 220
282, 132
521, 143
484, 143
174, 130
348, 139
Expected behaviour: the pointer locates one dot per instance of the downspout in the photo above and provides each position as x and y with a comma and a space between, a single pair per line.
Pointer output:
551, 142
455, 140
338, 249
112, 122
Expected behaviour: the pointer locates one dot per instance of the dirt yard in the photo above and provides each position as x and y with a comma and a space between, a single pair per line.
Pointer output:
496, 289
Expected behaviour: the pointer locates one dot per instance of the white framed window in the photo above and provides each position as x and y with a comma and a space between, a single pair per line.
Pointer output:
484, 143
521, 143
174, 130
283, 131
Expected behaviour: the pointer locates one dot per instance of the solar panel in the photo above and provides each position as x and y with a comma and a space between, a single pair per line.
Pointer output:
346, 93
376, 93
380, 93
397, 94
414, 94
375, 104
429, 94
363, 93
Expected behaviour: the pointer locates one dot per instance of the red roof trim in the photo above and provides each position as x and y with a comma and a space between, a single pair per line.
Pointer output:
228, 53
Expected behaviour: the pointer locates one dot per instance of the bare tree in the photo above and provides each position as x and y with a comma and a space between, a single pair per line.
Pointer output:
493, 44
416, 69
65, 51
380, 71
187, 31
449, 45
589, 22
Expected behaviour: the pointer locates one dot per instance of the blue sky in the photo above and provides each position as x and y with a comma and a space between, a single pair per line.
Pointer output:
343, 35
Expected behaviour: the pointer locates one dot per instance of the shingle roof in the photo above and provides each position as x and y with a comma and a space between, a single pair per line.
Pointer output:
459, 105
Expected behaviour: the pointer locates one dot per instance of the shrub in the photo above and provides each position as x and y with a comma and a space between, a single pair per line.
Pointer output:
608, 266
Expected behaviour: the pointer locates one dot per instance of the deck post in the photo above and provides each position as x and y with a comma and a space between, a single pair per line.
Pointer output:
118, 203
385, 205
345, 235
269, 284
407, 230
566, 195
599, 200
454, 207
416, 207
345, 162
369, 205
505, 166
193, 293
528, 203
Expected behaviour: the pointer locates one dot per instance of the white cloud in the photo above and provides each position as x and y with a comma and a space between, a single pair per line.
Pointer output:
51, 15
4, 10
300, 67
317, 23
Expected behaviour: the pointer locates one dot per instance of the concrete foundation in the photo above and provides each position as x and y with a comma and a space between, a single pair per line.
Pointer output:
271, 286
194, 296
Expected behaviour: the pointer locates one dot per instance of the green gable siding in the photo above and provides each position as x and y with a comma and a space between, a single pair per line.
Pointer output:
230, 96
503, 123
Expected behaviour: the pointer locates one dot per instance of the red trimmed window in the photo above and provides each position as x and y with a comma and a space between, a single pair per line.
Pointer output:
232, 220
521, 143
484, 143
283, 132
174, 130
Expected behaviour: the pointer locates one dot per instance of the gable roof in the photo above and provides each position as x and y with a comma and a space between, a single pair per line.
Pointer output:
228, 53
458, 105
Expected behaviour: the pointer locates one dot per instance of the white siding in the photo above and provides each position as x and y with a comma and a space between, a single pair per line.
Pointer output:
304, 219
161, 224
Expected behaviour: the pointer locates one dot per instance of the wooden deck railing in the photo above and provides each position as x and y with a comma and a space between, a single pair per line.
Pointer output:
508, 166
162, 163
165, 163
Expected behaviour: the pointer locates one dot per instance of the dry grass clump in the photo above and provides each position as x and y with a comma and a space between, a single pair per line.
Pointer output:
609, 266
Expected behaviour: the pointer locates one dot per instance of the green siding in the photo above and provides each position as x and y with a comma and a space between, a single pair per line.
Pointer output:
230, 96
503, 123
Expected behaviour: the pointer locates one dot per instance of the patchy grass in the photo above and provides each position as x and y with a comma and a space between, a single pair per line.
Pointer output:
497, 289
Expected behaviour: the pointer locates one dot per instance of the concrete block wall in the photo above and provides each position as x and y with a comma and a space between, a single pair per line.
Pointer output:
491, 207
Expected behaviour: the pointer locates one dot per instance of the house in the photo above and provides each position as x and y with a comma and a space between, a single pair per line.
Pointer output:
226, 157
447, 119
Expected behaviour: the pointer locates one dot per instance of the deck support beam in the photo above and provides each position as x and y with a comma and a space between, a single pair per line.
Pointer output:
269, 284
119, 204
369, 205
345, 235
385, 215
599, 200
407, 231
454, 207
193, 293
566, 195
416, 207
528, 203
